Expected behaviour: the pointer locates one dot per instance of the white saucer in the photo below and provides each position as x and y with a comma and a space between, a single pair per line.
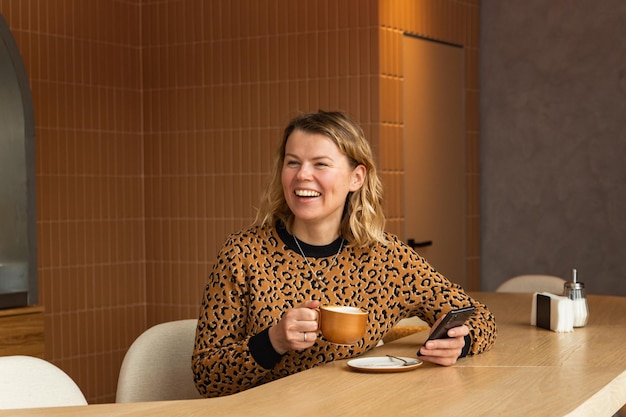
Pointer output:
382, 364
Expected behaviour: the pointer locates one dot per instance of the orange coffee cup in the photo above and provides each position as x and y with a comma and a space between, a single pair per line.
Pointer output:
343, 325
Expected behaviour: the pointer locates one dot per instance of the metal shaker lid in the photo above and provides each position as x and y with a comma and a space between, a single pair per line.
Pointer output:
574, 285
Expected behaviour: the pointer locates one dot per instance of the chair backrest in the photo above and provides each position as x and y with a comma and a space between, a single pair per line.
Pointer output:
157, 366
533, 283
30, 382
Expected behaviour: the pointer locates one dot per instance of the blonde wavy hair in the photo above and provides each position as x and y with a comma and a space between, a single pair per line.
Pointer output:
363, 220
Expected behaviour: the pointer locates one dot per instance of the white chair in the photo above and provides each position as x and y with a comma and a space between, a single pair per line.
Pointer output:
157, 366
533, 283
30, 382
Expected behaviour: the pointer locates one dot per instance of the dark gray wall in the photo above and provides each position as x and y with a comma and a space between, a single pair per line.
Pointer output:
553, 141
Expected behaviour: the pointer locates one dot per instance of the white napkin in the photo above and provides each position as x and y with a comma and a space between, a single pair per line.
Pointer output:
554, 313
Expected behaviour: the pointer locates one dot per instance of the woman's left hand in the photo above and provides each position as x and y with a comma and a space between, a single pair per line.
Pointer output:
445, 351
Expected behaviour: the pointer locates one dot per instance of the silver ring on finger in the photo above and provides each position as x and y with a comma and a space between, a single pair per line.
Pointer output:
304, 333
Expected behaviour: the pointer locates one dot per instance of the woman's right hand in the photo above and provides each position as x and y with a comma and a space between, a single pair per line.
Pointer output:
297, 329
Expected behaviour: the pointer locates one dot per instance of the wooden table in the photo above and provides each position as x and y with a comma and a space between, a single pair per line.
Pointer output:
530, 371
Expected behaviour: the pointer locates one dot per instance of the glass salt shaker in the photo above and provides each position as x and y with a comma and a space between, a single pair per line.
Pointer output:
575, 291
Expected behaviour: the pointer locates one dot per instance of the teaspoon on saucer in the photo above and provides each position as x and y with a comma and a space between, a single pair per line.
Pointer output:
405, 362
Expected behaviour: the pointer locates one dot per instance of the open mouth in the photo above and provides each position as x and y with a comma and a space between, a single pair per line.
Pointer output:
307, 193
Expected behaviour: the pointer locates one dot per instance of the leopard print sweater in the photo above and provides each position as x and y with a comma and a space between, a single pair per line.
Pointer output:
260, 274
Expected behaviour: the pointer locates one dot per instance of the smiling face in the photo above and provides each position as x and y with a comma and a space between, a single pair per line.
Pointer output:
316, 178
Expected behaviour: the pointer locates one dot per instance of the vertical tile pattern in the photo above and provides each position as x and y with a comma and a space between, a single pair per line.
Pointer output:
85, 81
156, 121
454, 21
219, 86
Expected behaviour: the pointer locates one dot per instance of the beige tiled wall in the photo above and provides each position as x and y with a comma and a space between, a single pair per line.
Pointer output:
83, 59
451, 21
155, 124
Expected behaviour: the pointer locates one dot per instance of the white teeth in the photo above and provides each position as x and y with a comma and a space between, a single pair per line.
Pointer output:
307, 193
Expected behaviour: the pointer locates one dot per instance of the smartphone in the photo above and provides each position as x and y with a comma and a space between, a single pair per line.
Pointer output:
454, 318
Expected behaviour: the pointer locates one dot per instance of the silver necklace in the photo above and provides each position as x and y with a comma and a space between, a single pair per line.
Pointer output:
313, 273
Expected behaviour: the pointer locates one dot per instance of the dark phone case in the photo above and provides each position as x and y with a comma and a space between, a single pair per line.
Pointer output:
453, 318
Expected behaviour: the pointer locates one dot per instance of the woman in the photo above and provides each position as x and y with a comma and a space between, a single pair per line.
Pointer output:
319, 239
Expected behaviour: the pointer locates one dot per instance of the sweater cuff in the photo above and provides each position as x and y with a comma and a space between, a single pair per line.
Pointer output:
466, 348
262, 350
